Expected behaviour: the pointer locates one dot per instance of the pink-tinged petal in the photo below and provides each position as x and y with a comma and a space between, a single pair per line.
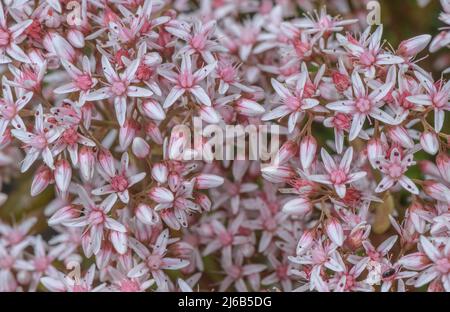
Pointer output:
389, 59
387, 245
342, 106
67, 88
408, 185
276, 113
385, 184
209, 114
134, 91
357, 124
106, 161
431, 251
356, 176
248, 108
108, 70
346, 160
48, 158
120, 105
108, 203
98, 95
124, 196
415, 261
202, 73
439, 116
138, 271
305, 242
299, 206
309, 103
340, 190
426, 276
29, 159
201, 95
114, 225
280, 89
173, 95
358, 86
17, 53
382, 116
173, 263
320, 178
317, 281
421, 99
328, 161
136, 178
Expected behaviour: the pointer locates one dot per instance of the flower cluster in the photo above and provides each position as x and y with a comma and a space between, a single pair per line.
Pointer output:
94, 167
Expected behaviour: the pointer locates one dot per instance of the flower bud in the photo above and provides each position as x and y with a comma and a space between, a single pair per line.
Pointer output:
308, 149
429, 142
140, 147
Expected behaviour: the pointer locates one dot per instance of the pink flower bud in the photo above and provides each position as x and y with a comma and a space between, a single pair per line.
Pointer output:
127, 133
174, 181
299, 206
41, 180
341, 81
286, 152
334, 231
154, 133
119, 241
153, 110
63, 175
206, 181
161, 195
278, 174
308, 149
140, 147
437, 190
413, 46
204, 201
160, 173
399, 135
107, 162
429, 142
249, 108
209, 114
443, 164
87, 162
76, 38
179, 140
146, 215
63, 214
